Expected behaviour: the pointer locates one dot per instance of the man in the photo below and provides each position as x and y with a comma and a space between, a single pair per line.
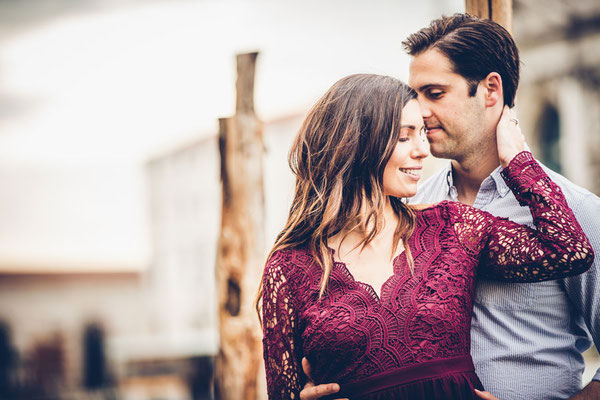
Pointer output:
526, 339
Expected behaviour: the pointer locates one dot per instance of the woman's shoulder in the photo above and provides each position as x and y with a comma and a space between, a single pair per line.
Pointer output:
290, 259
294, 265
291, 253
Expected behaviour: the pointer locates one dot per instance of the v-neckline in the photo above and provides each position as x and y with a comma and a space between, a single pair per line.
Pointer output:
378, 296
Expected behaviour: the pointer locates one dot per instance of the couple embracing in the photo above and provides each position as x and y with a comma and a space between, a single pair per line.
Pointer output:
481, 283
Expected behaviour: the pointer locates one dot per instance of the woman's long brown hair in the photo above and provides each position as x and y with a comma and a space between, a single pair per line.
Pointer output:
338, 158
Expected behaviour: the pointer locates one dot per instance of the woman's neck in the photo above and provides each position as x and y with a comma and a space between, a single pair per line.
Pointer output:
348, 243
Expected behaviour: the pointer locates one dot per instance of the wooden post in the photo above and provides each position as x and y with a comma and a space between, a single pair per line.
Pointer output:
502, 13
241, 243
479, 8
499, 11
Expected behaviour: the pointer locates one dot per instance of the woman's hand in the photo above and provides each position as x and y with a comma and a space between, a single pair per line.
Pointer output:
509, 136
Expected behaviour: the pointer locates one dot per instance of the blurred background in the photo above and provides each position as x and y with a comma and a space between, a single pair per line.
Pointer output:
109, 163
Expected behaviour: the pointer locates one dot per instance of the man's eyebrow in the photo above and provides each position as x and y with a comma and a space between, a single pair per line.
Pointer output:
432, 86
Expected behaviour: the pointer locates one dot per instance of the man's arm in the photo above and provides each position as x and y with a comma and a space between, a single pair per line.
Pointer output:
312, 392
584, 290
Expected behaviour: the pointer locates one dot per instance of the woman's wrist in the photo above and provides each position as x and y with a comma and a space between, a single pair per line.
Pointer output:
505, 159
518, 163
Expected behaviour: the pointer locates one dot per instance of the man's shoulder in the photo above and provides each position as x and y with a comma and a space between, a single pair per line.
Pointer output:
572, 192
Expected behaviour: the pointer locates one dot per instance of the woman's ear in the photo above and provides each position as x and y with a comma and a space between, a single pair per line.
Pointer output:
492, 84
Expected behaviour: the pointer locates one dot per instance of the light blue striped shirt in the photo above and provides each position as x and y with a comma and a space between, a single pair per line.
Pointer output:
527, 339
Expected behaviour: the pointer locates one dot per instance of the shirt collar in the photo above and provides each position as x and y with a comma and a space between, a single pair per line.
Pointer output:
450, 188
501, 186
448, 175
495, 177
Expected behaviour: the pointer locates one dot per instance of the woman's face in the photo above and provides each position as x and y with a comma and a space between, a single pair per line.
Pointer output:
402, 172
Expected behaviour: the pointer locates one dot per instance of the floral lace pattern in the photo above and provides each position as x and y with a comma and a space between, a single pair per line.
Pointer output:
352, 334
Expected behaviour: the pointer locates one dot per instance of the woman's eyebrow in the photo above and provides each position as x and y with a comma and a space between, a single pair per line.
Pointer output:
408, 126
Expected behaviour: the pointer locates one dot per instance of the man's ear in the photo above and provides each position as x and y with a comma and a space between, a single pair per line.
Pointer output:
492, 84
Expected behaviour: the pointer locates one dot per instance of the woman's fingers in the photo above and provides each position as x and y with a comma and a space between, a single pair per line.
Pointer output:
509, 136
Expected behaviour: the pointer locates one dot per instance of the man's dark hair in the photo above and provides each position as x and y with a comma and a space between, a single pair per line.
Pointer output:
475, 47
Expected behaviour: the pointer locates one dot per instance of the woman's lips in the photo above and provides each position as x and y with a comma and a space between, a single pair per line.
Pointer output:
412, 173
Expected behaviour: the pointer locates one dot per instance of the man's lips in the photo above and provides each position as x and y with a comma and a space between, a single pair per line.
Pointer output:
434, 129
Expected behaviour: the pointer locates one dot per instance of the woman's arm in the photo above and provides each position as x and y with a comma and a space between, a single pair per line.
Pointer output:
557, 247
281, 340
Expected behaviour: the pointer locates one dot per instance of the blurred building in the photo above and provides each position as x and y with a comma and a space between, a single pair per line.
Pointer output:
559, 95
47, 314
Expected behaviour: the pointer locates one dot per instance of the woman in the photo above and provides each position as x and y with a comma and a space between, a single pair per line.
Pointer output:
348, 234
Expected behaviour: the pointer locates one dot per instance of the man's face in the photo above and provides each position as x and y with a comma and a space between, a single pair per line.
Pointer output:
455, 121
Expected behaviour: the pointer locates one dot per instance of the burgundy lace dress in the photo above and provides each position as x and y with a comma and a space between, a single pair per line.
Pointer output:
413, 342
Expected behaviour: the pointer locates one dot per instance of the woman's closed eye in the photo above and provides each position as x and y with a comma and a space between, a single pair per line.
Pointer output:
411, 131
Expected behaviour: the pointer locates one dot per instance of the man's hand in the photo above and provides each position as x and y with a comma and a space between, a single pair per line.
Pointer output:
590, 392
485, 395
312, 392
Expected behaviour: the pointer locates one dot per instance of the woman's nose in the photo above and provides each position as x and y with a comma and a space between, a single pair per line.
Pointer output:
421, 149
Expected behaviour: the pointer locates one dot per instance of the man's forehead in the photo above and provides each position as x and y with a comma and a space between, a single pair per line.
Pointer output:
432, 58
431, 68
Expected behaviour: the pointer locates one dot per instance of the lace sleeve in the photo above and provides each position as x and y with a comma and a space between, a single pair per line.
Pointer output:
281, 340
512, 252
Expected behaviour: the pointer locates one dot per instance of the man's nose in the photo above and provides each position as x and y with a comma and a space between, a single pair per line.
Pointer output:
425, 109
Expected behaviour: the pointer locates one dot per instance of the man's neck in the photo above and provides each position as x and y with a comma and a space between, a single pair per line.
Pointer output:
467, 176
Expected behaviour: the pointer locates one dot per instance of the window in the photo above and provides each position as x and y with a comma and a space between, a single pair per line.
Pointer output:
549, 128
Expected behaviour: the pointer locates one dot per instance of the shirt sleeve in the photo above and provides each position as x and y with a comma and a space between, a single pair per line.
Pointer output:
507, 251
584, 290
281, 339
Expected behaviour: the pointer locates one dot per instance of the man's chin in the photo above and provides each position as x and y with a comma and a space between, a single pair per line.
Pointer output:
440, 151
